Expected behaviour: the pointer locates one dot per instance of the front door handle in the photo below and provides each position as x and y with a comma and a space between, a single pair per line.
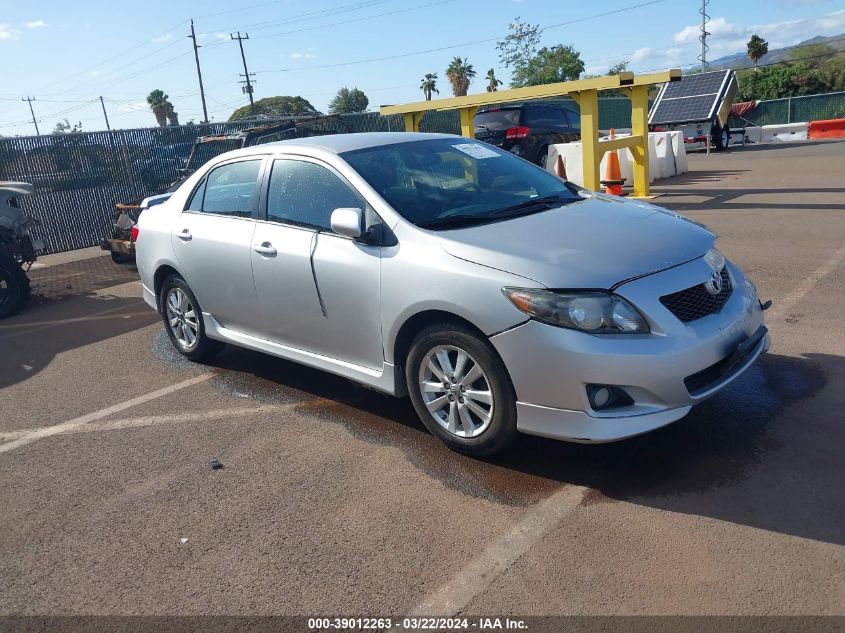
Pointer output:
185, 235
265, 248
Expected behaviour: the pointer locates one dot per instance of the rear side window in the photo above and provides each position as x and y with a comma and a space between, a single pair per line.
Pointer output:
305, 194
548, 118
497, 120
230, 189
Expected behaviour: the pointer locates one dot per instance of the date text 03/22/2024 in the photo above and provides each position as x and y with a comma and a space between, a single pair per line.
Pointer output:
417, 623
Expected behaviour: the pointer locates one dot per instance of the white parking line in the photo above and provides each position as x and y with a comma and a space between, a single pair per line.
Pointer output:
56, 429
481, 571
791, 300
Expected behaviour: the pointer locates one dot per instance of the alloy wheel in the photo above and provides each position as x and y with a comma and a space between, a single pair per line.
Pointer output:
182, 318
456, 391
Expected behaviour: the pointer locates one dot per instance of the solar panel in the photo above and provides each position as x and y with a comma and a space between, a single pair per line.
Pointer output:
693, 99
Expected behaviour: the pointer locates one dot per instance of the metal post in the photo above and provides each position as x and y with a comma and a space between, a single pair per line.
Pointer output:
248, 86
468, 121
789, 109
34, 122
639, 127
108, 127
591, 154
193, 37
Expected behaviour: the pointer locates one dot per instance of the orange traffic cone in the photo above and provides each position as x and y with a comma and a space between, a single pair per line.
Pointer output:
560, 168
613, 180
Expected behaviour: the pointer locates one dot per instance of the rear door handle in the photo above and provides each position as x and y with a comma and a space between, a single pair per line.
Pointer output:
265, 248
185, 235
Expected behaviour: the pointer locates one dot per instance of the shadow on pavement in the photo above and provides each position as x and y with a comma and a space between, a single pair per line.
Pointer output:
726, 199
751, 455
61, 319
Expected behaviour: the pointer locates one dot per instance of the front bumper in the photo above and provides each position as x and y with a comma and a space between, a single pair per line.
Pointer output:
551, 366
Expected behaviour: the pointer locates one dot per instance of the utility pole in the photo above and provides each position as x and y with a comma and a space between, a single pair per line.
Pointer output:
108, 127
248, 84
34, 122
193, 37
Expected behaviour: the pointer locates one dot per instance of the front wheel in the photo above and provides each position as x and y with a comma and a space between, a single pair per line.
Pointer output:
461, 390
14, 287
183, 320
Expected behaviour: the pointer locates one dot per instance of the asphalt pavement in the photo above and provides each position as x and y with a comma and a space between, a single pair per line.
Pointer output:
334, 499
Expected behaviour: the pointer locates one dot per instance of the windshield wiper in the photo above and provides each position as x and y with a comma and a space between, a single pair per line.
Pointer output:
461, 219
521, 207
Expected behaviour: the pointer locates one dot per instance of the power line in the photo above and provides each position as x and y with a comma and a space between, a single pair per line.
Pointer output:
473, 43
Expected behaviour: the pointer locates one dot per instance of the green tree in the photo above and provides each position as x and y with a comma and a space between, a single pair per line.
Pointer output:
348, 101
162, 108
618, 68
549, 65
520, 44
812, 54
429, 85
460, 73
65, 127
757, 49
492, 83
270, 107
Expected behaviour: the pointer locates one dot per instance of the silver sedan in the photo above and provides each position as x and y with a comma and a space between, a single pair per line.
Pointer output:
498, 297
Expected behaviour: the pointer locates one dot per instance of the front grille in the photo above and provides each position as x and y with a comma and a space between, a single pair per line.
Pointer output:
696, 302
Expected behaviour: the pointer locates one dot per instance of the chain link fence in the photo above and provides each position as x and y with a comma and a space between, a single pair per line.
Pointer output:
796, 110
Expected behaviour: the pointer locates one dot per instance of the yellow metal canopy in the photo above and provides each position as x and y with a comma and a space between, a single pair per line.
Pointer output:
585, 93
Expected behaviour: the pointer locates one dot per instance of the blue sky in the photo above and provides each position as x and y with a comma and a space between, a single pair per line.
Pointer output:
68, 54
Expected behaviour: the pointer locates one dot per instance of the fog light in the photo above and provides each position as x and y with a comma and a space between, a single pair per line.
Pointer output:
603, 397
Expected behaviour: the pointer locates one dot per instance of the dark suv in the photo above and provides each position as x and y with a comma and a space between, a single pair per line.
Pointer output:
527, 130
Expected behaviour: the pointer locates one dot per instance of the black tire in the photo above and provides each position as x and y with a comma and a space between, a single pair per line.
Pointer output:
201, 347
721, 137
501, 429
543, 157
14, 287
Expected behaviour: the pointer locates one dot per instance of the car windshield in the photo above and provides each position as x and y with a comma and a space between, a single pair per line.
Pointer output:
443, 183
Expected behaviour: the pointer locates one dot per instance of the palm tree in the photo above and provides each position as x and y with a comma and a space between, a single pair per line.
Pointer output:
492, 83
757, 48
460, 74
429, 85
162, 108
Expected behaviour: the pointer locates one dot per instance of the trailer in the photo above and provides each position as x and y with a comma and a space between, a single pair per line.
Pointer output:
699, 106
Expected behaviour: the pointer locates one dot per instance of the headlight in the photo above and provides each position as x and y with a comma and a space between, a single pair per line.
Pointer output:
715, 259
594, 312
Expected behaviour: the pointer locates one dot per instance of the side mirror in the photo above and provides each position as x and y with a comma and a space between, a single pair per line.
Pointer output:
348, 222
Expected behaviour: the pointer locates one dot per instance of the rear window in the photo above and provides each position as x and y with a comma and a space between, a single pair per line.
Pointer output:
497, 120
548, 117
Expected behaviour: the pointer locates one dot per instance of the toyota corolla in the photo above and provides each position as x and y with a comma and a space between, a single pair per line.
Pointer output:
500, 298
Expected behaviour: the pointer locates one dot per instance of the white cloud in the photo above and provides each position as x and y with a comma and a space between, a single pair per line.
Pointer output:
162, 38
309, 53
94, 73
8, 33
36, 24
133, 107
221, 36
719, 28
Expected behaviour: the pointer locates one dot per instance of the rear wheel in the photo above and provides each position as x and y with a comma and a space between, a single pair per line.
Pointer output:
461, 390
721, 136
14, 287
120, 258
183, 320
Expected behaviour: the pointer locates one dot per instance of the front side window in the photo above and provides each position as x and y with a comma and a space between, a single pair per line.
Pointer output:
442, 183
305, 194
230, 189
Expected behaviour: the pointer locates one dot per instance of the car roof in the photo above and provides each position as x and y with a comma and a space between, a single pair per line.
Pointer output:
339, 143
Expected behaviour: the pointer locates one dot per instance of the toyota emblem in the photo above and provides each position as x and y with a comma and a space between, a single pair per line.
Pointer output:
714, 284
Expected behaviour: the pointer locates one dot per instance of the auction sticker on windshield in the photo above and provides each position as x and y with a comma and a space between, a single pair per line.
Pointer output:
475, 150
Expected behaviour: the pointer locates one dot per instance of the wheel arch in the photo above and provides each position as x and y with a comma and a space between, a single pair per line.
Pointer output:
162, 272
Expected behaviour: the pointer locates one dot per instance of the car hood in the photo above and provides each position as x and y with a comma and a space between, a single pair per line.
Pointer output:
597, 242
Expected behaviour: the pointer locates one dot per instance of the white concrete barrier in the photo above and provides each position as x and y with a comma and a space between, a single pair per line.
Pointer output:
788, 132
667, 157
